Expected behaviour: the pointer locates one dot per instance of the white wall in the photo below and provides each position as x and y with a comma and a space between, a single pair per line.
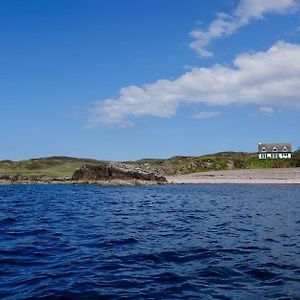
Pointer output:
274, 155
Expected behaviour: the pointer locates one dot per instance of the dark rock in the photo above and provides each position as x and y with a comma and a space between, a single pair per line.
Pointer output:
15, 178
115, 171
5, 177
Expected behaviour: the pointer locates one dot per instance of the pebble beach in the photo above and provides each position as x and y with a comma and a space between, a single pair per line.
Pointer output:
249, 176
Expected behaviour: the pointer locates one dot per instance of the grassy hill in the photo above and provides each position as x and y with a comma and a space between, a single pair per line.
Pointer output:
62, 167
51, 167
218, 161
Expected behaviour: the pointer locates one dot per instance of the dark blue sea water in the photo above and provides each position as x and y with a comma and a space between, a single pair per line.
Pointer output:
159, 242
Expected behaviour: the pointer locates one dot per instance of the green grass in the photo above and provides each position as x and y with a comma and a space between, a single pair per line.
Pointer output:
62, 167
51, 167
218, 161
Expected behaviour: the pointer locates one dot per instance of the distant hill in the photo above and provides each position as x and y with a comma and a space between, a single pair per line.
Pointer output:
63, 167
51, 167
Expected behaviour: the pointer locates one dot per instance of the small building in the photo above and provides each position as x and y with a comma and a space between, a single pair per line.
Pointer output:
274, 151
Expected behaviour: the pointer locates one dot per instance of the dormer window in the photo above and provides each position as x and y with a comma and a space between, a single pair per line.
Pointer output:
263, 149
275, 149
285, 149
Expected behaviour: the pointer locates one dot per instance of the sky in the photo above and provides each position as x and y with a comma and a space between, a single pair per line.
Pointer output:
131, 79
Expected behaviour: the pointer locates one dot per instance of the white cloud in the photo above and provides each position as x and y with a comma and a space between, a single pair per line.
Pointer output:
270, 78
266, 111
206, 115
246, 11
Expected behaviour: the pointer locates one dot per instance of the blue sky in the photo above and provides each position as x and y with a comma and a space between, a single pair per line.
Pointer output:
128, 79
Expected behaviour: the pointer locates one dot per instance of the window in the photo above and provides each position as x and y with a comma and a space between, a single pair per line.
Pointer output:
275, 149
285, 149
263, 149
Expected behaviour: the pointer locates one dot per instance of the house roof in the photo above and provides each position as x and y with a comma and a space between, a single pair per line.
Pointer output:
279, 146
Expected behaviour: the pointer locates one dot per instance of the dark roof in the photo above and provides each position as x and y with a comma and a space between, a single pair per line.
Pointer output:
279, 146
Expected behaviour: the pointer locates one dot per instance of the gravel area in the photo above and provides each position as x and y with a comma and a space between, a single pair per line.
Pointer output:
257, 176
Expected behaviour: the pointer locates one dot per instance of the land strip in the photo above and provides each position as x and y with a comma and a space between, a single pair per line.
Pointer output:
252, 176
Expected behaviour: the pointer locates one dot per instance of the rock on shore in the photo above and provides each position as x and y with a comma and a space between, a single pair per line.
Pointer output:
112, 172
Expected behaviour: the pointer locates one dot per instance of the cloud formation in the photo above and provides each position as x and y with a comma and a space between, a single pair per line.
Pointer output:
270, 78
266, 111
206, 115
246, 11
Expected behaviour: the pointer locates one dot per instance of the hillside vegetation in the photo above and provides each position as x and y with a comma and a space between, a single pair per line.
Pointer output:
64, 167
218, 161
50, 167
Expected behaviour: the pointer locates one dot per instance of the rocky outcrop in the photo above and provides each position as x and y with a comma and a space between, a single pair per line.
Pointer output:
10, 178
17, 178
110, 172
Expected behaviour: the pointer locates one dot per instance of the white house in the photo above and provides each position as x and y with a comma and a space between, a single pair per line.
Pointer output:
274, 151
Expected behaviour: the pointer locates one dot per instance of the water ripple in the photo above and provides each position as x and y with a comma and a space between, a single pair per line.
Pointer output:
165, 242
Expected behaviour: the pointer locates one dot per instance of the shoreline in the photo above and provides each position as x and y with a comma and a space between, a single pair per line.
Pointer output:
83, 182
241, 176
245, 176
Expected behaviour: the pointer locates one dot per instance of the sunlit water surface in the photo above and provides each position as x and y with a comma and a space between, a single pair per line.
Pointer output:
159, 242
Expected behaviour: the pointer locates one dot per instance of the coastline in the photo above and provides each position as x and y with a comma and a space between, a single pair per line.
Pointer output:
114, 182
245, 176
241, 176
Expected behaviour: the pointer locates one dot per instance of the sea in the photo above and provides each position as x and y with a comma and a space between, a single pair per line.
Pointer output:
150, 242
